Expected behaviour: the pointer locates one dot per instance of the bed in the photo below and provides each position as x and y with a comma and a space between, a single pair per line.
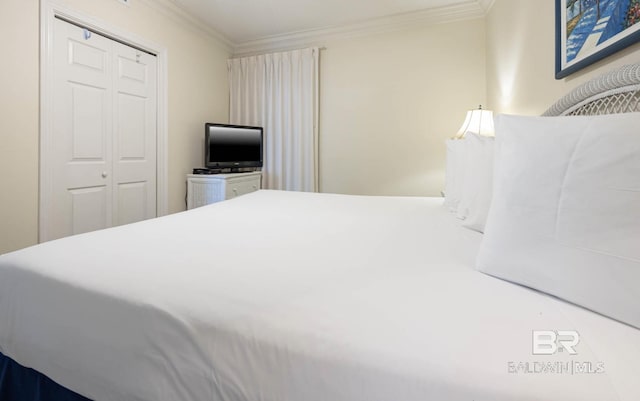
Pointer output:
297, 296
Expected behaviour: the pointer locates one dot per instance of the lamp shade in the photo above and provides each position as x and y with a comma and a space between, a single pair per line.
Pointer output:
478, 121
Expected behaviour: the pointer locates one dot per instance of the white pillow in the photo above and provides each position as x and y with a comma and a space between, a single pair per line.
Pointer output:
465, 191
449, 175
478, 183
454, 175
565, 214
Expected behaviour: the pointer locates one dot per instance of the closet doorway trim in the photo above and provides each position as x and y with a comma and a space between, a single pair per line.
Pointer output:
49, 10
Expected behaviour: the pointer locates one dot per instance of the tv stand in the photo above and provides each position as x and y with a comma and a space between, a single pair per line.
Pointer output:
203, 189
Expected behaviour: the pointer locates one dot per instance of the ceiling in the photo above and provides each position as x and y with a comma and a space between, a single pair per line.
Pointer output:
241, 22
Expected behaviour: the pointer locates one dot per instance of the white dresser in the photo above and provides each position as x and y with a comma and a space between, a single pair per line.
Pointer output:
204, 189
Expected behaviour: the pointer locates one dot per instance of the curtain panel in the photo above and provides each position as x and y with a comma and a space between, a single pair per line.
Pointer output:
279, 92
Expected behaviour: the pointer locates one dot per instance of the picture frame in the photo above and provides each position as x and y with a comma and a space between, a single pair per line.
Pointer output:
590, 30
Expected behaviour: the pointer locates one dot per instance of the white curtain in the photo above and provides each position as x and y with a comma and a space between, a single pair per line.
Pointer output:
279, 92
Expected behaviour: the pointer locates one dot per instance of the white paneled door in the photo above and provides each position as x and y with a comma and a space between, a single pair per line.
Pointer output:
104, 132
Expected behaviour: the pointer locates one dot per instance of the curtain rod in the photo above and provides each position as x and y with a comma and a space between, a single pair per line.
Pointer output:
241, 55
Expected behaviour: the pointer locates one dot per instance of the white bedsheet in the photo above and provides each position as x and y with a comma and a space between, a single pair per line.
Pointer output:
296, 296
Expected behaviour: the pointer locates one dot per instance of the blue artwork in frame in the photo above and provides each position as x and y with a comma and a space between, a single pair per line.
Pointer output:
590, 30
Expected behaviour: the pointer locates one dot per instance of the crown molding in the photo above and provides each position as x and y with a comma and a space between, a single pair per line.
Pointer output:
486, 5
174, 11
459, 12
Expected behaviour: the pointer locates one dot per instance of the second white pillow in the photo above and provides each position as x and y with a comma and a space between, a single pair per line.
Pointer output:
478, 185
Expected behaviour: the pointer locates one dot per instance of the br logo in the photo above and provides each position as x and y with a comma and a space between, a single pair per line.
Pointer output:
548, 342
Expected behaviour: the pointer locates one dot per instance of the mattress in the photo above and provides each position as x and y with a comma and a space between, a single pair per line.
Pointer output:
297, 296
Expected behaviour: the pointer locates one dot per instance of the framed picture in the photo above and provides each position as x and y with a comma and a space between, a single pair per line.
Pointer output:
590, 30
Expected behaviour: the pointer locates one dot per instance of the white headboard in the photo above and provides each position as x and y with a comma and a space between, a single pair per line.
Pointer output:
617, 91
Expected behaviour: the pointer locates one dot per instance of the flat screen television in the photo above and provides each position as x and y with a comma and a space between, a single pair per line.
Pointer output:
232, 146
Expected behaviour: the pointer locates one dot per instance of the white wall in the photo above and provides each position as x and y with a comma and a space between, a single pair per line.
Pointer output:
521, 58
19, 124
198, 92
388, 102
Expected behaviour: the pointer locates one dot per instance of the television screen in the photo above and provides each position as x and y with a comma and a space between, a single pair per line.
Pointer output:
229, 146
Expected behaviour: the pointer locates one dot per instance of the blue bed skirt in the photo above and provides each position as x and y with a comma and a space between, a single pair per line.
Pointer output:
18, 383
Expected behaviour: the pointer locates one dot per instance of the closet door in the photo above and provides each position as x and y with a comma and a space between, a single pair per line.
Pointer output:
104, 133
134, 162
82, 127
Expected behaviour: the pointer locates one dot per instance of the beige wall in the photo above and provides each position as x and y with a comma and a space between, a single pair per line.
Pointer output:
389, 102
198, 92
521, 58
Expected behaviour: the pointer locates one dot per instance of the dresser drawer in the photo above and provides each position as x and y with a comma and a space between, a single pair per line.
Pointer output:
241, 187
